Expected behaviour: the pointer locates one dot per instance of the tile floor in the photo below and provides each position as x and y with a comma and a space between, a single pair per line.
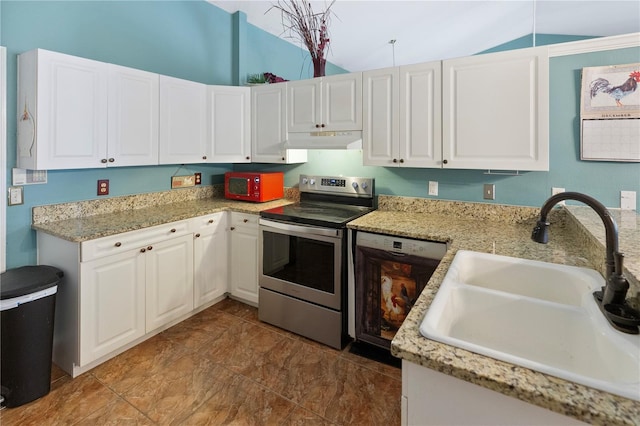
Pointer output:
222, 366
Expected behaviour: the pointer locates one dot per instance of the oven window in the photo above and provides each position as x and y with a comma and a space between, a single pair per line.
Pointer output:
239, 186
298, 260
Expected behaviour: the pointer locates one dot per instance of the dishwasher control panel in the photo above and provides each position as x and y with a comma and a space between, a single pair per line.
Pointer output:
402, 245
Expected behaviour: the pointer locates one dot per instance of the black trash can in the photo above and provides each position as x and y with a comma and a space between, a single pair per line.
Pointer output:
27, 302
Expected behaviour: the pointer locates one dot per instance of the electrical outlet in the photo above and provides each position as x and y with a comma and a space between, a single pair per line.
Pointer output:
433, 188
198, 177
555, 191
103, 186
628, 200
489, 191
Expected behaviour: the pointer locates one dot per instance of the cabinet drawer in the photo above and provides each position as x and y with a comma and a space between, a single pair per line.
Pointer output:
130, 240
244, 220
208, 223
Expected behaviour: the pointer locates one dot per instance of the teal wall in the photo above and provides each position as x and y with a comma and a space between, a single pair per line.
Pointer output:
197, 41
186, 39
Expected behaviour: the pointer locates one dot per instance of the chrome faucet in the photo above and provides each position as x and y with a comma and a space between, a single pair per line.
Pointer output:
611, 299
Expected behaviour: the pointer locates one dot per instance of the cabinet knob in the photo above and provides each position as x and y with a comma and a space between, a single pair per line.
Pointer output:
233, 228
247, 157
198, 235
118, 244
204, 157
283, 158
402, 160
317, 126
210, 220
445, 161
111, 160
103, 161
149, 248
245, 220
395, 160
173, 230
142, 250
322, 125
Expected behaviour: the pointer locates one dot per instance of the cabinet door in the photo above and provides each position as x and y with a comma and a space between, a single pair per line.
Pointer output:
244, 257
269, 126
496, 111
230, 126
112, 304
62, 106
420, 115
133, 117
169, 270
380, 117
342, 102
183, 121
304, 105
210, 259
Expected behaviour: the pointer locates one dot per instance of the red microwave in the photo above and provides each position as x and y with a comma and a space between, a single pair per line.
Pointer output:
254, 186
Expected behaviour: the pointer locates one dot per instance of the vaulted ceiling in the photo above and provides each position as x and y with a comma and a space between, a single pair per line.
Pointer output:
425, 30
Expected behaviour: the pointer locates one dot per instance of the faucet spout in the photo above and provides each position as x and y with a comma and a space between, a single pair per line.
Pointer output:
612, 298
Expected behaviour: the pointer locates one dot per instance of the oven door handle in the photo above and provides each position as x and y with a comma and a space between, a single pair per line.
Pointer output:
327, 232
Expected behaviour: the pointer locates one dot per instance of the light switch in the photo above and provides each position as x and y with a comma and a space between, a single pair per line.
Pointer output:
15, 196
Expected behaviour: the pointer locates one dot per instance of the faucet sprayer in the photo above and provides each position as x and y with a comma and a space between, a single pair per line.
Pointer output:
612, 298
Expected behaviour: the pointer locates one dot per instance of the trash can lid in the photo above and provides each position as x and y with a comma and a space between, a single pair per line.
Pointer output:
28, 279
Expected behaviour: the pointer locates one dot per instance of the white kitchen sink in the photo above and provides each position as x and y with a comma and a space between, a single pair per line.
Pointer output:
537, 315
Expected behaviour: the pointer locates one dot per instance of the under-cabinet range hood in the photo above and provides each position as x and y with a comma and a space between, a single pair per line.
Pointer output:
342, 139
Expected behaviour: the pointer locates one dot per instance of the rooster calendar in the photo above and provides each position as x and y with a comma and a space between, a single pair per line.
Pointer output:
610, 113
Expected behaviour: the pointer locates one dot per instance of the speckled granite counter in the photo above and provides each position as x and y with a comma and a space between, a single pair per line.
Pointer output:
505, 230
87, 220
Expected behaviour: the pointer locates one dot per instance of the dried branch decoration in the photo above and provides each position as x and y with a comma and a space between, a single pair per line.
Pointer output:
309, 27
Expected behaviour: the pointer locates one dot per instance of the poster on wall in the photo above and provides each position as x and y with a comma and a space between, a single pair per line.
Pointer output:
610, 113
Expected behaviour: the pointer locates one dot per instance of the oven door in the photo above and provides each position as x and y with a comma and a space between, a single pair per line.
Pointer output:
301, 261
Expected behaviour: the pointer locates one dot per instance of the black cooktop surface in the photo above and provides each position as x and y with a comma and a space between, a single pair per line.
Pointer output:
317, 213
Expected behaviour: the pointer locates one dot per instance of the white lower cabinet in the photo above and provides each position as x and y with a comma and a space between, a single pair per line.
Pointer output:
433, 398
112, 303
244, 257
169, 281
210, 255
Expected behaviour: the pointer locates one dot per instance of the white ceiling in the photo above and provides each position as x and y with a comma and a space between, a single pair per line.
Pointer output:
426, 30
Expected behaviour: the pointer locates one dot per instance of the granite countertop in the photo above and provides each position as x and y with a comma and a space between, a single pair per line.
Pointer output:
84, 228
462, 227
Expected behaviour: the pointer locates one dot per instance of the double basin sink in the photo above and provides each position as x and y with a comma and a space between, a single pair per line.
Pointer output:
537, 315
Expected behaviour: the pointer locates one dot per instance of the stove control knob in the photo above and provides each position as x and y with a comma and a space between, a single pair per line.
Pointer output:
312, 182
355, 185
364, 185
305, 181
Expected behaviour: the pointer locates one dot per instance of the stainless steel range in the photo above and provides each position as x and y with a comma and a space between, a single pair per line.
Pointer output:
303, 257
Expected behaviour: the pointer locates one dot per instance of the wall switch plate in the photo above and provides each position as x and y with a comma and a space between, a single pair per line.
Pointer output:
433, 187
628, 200
555, 190
103, 186
15, 195
489, 191
182, 181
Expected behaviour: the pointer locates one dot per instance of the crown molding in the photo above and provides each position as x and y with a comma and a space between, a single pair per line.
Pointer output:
595, 45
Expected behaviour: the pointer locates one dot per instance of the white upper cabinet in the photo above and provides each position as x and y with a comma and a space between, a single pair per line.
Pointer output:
183, 121
402, 116
229, 124
133, 117
496, 111
62, 111
269, 126
76, 113
325, 104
